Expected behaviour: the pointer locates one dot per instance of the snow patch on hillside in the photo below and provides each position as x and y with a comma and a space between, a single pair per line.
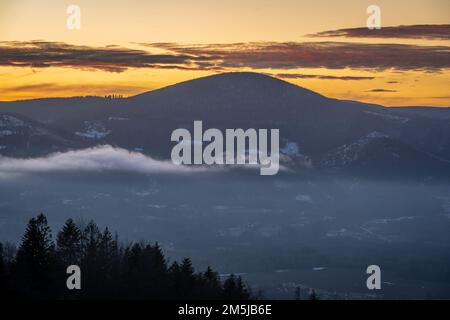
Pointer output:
388, 116
304, 198
348, 153
94, 130
10, 121
4, 133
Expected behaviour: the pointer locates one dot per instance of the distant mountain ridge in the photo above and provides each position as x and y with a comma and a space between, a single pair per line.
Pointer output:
318, 126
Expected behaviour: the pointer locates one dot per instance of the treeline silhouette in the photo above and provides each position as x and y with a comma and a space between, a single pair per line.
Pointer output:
113, 96
109, 269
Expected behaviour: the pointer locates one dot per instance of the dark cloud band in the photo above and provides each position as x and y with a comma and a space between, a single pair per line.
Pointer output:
331, 55
430, 32
40, 54
382, 90
259, 55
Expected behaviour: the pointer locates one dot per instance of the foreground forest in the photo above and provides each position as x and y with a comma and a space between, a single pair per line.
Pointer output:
109, 268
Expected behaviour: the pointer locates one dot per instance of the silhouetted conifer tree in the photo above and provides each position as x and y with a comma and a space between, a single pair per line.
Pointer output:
313, 295
33, 267
234, 289
186, 268
298, 293
3, 280
2, 261
68, 244
211, 284
90, 261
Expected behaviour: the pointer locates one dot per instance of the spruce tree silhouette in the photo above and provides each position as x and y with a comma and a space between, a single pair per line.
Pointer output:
313, 295
186, 268
68, 244
34, 263
2, 262
3, 279
175, 280
212, 284
188, 283
129, 283
298, 293
68, 252
106, 252
158, 261
234, 289
90, 261
241, 292
156, 270
229, 287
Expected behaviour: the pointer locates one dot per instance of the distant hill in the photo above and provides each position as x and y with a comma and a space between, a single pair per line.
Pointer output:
316, 126
22, 137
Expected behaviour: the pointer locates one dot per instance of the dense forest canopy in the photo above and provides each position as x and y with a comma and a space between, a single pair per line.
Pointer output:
109, 268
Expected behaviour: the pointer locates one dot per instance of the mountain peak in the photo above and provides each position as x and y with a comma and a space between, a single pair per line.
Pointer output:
243, 76
231, 84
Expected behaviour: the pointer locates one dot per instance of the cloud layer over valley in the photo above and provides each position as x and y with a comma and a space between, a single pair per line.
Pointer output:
98, 159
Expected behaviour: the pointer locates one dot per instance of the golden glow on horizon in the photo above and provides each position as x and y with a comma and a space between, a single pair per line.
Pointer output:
203, 21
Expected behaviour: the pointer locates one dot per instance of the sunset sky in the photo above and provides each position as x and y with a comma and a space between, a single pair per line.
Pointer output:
130, 46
